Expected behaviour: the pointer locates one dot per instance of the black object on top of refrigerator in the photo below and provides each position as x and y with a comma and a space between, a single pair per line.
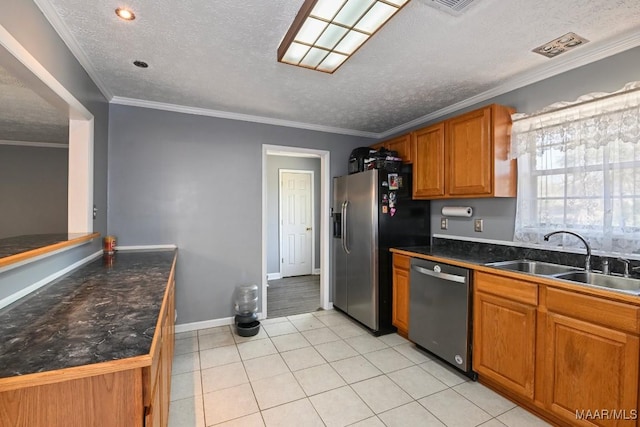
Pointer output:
372, 212
358, 157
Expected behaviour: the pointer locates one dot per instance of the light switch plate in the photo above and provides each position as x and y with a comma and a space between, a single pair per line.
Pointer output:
444, 223
478, 225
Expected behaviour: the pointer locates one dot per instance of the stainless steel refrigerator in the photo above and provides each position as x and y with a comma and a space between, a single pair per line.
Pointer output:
372, 211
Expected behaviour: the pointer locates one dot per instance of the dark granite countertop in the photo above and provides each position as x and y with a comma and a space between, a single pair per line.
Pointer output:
481, 253
455, 253
97, 313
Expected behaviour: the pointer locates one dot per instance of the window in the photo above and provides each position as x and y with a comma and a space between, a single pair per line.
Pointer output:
579, 170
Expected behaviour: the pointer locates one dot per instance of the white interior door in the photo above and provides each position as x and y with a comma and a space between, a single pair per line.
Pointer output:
296, 223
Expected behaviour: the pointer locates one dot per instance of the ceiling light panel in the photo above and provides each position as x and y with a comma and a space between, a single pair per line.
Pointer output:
375, 17
352, 11
326, 32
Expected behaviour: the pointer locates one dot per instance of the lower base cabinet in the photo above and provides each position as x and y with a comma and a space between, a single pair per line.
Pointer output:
157, 377
591, 359
572, 358
114, 394
400, 298
502, 325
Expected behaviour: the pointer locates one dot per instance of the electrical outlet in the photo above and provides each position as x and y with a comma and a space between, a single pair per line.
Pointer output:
478, 225
444, 223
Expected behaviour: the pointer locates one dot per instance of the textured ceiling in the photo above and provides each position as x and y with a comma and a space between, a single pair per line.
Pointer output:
221, 55
25, 116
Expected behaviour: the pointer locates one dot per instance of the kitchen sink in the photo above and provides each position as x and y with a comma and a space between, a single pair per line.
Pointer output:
619, 283
533, 267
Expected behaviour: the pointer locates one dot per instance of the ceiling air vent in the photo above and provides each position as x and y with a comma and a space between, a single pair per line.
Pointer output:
453, 7
560, 45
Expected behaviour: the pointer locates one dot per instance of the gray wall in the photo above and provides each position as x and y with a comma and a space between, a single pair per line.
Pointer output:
606, 75
33, 190
274, 164
25, 22
197, 182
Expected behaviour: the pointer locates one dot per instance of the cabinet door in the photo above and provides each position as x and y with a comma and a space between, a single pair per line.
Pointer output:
400, 307
402, 145
429, 162
590, 368
165, 369
155, 416
504, 339
377, 146
470, 154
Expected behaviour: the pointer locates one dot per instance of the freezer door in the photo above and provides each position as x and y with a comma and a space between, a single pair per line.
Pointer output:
362, 246
339, 255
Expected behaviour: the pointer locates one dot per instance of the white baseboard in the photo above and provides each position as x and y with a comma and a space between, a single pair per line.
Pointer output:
274, 276
205, 324
40, 283
144, 247
329, 306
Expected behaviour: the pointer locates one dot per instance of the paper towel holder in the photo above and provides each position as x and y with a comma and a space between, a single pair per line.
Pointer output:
459, 211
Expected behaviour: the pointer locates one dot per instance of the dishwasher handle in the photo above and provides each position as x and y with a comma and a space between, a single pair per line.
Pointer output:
440, 275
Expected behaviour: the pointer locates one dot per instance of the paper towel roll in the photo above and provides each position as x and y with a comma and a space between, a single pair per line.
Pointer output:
465, 211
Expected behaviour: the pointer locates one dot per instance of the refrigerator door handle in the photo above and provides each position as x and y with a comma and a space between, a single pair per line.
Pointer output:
344, 227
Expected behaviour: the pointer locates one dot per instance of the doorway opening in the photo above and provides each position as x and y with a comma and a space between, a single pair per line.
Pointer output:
294, 258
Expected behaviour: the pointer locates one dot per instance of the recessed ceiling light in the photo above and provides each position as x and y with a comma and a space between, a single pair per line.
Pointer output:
141, 64
125, 14
327, 32
560, 45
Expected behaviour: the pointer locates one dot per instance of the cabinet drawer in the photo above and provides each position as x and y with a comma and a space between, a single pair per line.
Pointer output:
401, 261
618, 315
506, 287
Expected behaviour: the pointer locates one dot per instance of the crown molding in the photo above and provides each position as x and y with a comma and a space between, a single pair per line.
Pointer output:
577, 59
60, 27
34, 144
595, 52
237, 116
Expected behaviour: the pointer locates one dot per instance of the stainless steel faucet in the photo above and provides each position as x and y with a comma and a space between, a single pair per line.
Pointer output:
626, 263
587, 260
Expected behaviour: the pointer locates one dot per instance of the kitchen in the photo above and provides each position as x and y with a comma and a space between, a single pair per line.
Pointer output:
136, 157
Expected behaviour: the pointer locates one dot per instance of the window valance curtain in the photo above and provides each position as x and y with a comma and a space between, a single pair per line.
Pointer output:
579, 170
592, 120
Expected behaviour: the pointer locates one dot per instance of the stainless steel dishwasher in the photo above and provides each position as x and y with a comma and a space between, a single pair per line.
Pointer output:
440, 311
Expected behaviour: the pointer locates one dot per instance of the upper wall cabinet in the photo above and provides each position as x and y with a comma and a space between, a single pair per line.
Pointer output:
401, 144
466, 156
429, 162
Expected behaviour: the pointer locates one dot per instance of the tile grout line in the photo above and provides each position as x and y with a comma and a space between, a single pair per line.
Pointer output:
342, 341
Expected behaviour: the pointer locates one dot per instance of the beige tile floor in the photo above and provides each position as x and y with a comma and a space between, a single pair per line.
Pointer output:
323, 369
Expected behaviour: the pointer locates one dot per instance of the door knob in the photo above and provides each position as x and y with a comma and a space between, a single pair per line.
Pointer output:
308, 228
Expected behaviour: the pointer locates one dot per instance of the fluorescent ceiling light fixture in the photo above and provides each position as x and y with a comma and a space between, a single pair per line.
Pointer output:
325, 33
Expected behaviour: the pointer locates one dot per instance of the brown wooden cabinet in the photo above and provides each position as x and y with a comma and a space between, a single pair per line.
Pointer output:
591, 358
157, 377
400, 144
473, 151
429, 162
504, 332
561, 353
400, 298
